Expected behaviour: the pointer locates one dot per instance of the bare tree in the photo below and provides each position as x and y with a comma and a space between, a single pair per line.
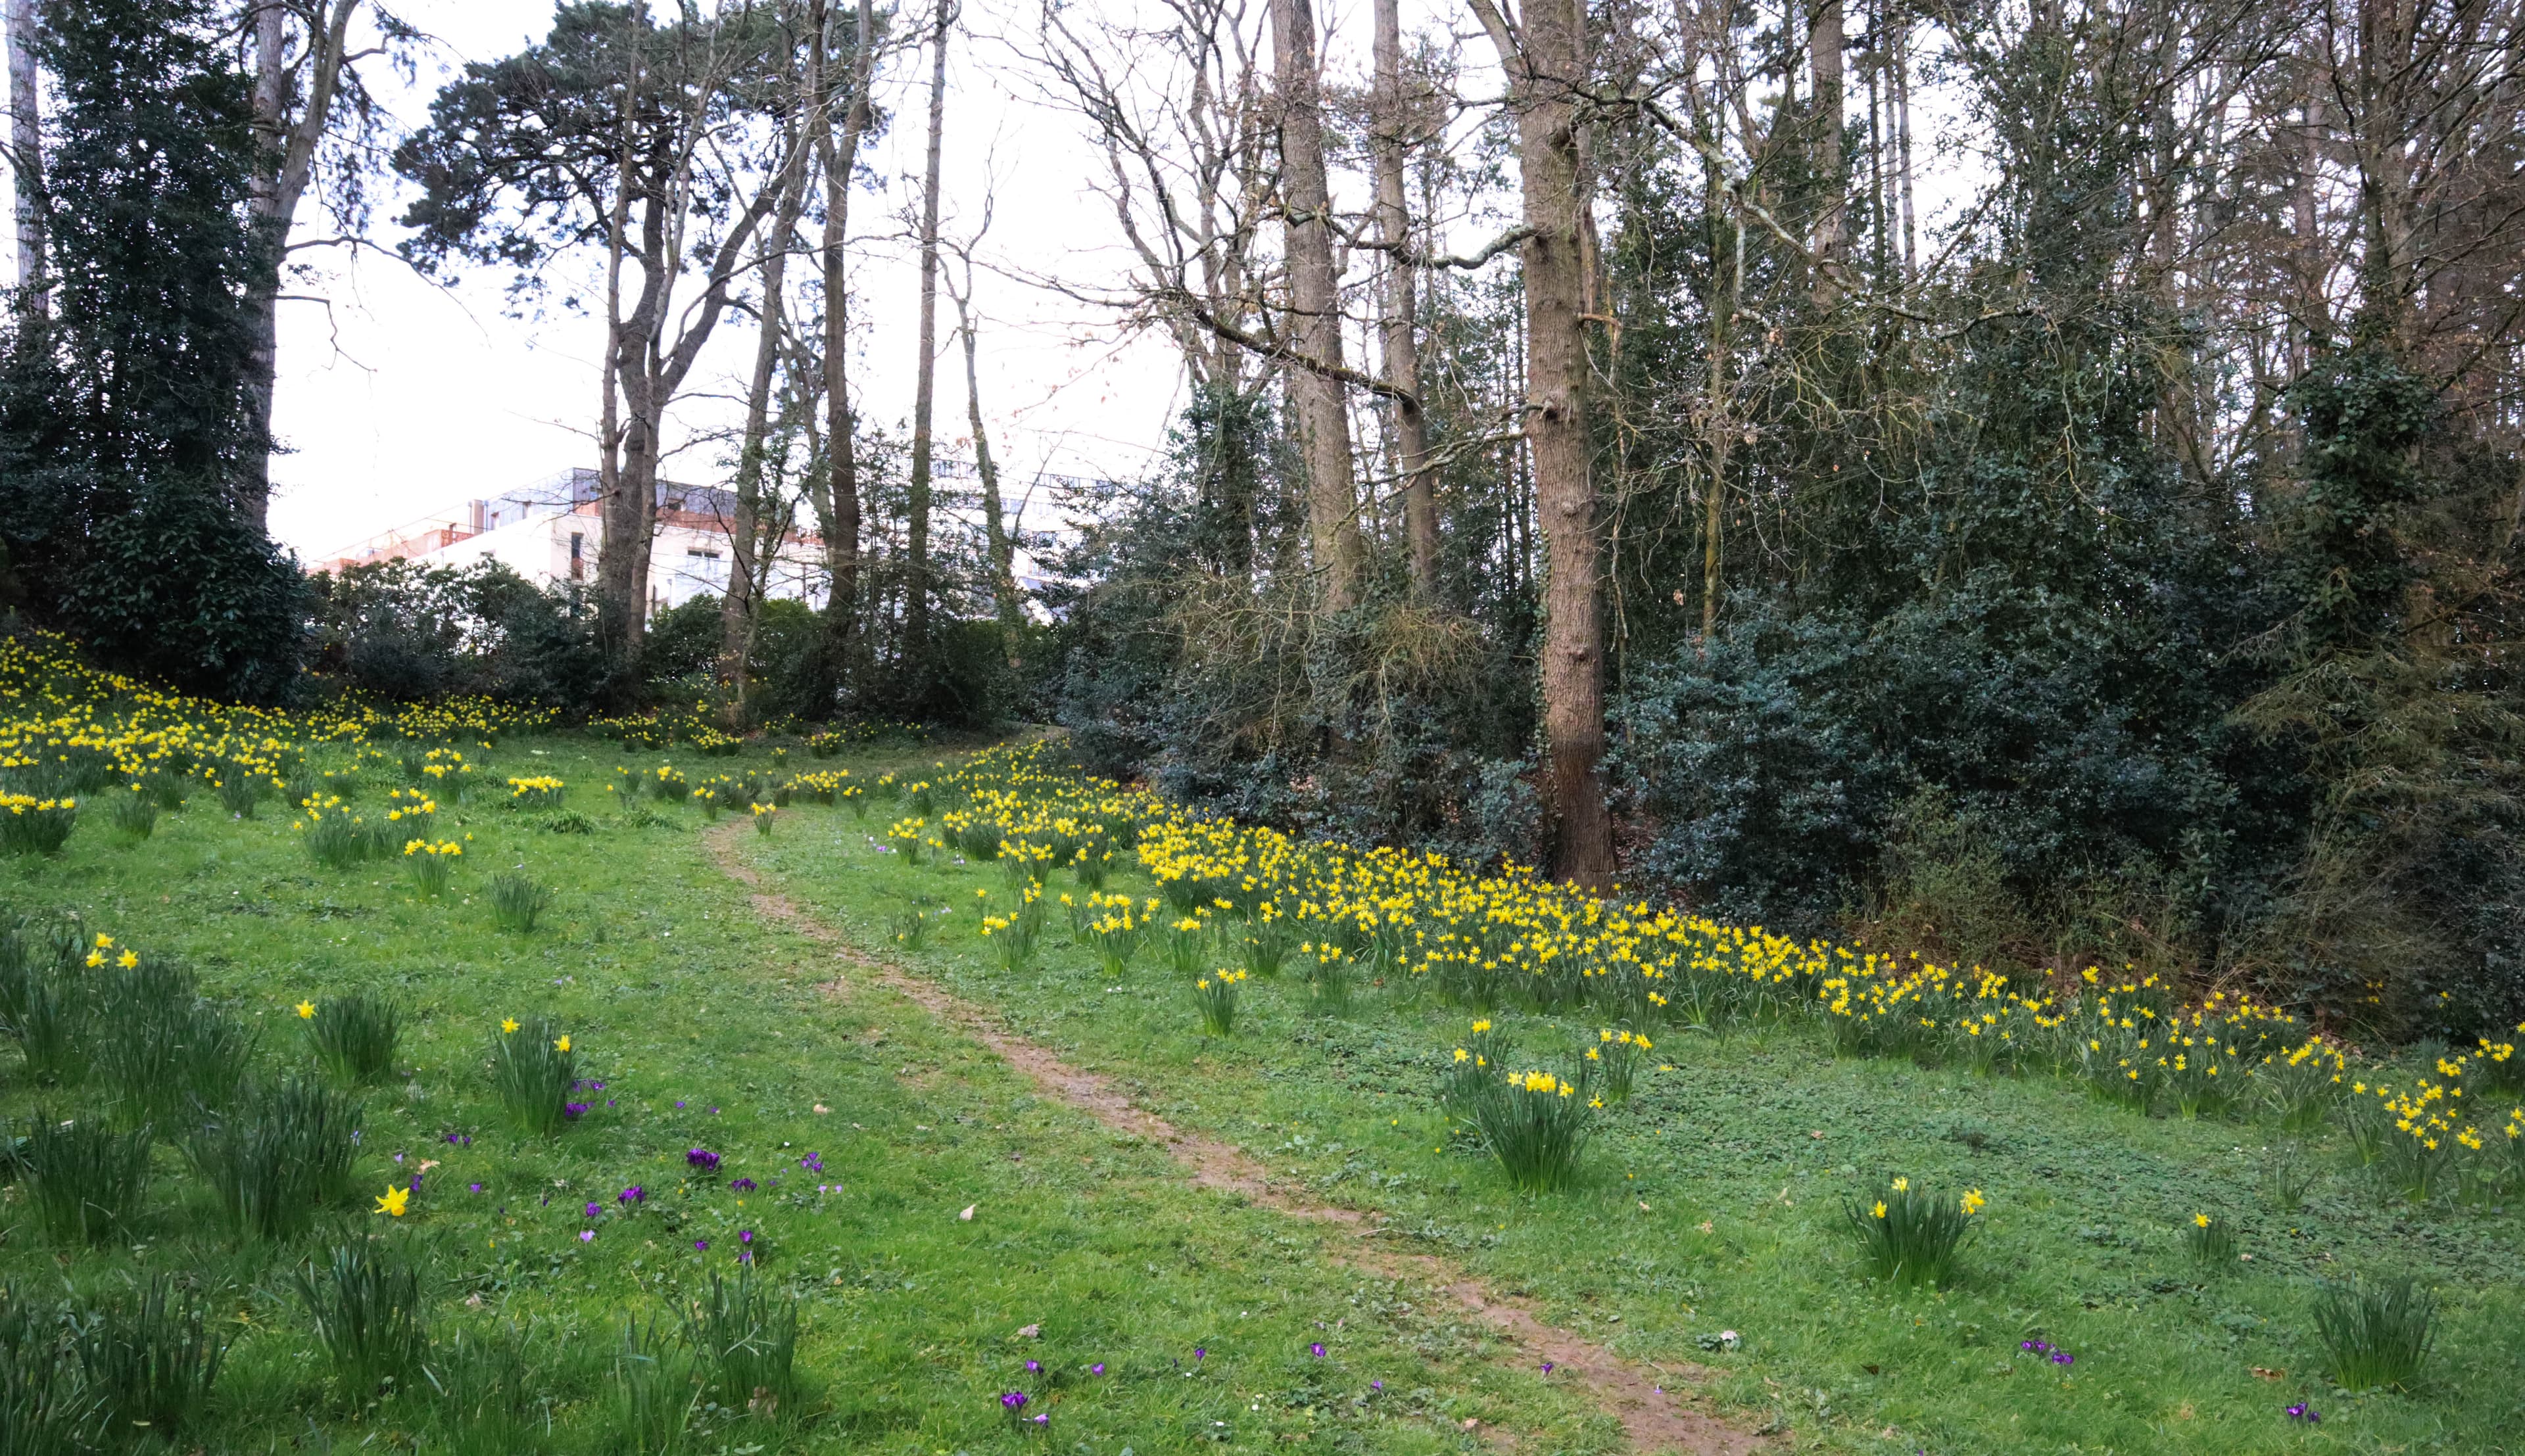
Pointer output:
917, 585
1319, 405
1389, 142
1008, 605
835, 490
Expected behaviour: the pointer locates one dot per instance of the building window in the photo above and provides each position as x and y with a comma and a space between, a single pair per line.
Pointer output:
701, 551
577, 556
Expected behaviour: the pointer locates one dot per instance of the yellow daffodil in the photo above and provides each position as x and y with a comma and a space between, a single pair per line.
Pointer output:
508, 1025
561, 1044
393, 1201
306, 1010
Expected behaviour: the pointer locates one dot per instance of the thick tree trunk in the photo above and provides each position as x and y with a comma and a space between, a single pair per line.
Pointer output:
26, 142
1314, 307
915, 585
1401, 307
618, 608
1544, 64
1824, 47
839, 515
740, 606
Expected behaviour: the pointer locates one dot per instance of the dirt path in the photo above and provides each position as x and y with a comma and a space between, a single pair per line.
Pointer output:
1657, 1419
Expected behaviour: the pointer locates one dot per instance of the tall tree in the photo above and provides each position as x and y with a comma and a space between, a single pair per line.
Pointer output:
620, 135
1544, 53
1320, 405
1824, 55
27, 155
997, 539
834, 490
1390, 141
916, 587
741, 605
304, 73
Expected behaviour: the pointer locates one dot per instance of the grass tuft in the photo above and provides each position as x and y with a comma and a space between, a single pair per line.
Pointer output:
150, 1358
1911, 1235
2376, 1336
532, 1070
284, 1155
84, 1179
745, 1340
516, 902
363, 1299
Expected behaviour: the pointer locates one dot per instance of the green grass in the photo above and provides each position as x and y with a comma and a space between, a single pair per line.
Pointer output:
1713, 1200
707, 1026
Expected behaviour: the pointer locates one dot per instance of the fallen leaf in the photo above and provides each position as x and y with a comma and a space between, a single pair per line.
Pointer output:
1706, 1224
2271, 1375
427, 1163
967, 1215
1471, 1422
1644, 1208
821, 1109
1031, 1331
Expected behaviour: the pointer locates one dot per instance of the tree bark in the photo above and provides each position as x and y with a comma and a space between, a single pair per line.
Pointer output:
1401, 307
1009, 606
1315, 308
1544, 64
915, 585
741, 603
838, 513
287, 159
26, 144
1824, 47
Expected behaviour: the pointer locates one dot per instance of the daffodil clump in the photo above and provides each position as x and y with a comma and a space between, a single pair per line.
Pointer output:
1213, 996
29, 825
533, 1070
1536, 1125
542, 790
1912, 1236
432, 865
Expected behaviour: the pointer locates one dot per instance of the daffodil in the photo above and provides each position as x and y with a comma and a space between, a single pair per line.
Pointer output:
306, 1010
393, 1201
508, 1025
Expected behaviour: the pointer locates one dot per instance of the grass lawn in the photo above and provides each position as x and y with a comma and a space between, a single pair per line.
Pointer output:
1709, 1227
710, 1029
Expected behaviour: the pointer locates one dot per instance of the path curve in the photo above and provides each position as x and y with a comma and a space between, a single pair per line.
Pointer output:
1657, 1419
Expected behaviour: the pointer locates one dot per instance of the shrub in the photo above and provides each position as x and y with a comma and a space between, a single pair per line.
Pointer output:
1911, 1236
363, 1299
134, 815
353, 1036
84, 1179
284, 1153
2376, 1335
150, 1359
532, 1068
1537, 1126
1214, 997
744, 1338
29, 825
517, 902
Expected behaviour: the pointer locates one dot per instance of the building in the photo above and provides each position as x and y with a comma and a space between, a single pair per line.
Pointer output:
548, 533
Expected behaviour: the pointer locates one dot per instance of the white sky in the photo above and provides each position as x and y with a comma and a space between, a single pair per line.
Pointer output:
399, 400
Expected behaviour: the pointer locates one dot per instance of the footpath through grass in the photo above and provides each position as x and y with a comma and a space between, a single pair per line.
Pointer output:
1712, 1221
850, 1130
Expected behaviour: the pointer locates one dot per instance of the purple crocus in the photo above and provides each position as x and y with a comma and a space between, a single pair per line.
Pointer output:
2063, 1357
574, 1111
593, 1209
1096, 1369
588, 1236
745, 1235
1013, 1401
2304, 1412
1198, 1352
478, 1188
631, 1195
1316, 1349
701, 1246
741, 1184
1042, 1418
702, 1158
812, 1162
1547, 1367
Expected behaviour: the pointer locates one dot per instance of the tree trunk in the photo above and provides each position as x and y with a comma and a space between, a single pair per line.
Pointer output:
26, 140
839, 519
286, 160
915, 505
1823, 60
1542, 68
1402, 307
1315, 308
740, 606
995, 527
618, 619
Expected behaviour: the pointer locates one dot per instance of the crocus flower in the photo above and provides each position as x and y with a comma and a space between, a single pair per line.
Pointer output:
2304, 1412
1317, 1351
588, 1236
1096, 1369
574, 1111
702, 1158
701, 1246
633, 1194
745, 1235
812, 1162
742, 1184
2063, 1357
1547, 1367
593, 1209
1014, 1400
1034, 1367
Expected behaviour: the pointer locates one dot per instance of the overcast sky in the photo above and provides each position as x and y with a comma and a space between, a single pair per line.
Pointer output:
399, 398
